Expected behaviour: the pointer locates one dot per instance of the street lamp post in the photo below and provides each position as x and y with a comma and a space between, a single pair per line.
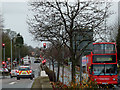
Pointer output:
12, 35
3, 51
11, 53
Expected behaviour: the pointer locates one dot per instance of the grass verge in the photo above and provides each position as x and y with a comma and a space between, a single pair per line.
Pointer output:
41, 83
36, 83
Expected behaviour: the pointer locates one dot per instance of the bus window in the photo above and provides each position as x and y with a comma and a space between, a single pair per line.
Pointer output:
103, 48
98, 69
111, 69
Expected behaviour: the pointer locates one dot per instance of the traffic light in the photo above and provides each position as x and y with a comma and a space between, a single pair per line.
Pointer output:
44, 45
43, 62
3, 64
3, 45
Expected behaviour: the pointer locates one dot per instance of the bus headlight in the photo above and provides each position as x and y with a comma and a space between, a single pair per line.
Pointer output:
114, 79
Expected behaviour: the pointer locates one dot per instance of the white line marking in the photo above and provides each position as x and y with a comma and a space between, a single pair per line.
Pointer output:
12, 83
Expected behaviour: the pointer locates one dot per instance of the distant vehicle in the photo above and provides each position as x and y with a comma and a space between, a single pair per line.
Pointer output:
36, 61
5, 70
9, 67
26, 60
26, 64
13, 73
14, 62
25, 72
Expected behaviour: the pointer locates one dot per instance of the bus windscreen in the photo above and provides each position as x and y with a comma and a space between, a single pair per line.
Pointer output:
107, 69
104, 58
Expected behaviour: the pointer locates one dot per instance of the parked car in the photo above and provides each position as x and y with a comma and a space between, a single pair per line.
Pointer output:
4, 70
25, 72
36, 61
13, 73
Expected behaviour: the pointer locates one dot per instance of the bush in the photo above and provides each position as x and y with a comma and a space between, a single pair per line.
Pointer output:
77, 85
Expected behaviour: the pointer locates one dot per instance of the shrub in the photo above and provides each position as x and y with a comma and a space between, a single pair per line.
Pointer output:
77, 85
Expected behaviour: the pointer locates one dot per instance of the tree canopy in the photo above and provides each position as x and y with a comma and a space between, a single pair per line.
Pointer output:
71, 23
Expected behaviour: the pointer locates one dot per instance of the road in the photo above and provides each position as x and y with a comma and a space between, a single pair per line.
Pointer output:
22, 83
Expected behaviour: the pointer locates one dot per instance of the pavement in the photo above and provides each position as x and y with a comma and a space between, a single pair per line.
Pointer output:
4, 77
42, 82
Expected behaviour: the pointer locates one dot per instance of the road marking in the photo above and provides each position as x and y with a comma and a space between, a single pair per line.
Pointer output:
12, 83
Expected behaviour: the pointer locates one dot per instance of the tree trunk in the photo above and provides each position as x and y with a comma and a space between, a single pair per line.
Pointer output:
63, 72
58, 73
72, 59
81, 70
53, 67
73, 69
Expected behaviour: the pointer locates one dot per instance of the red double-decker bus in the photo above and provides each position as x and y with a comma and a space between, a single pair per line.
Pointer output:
101, 64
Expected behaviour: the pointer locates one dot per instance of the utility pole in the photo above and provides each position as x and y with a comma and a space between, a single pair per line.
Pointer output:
12, 35
3, 45
11, 53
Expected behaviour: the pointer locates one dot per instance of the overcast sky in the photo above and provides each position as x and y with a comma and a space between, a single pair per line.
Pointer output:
15, 15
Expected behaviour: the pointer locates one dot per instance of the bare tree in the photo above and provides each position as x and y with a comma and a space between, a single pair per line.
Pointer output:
72, 23
53, 53
113, 31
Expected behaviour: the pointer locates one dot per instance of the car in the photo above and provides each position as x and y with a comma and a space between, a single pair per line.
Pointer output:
4, 70
13, 73
36, 61
26, 64
9, 67
25, 72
